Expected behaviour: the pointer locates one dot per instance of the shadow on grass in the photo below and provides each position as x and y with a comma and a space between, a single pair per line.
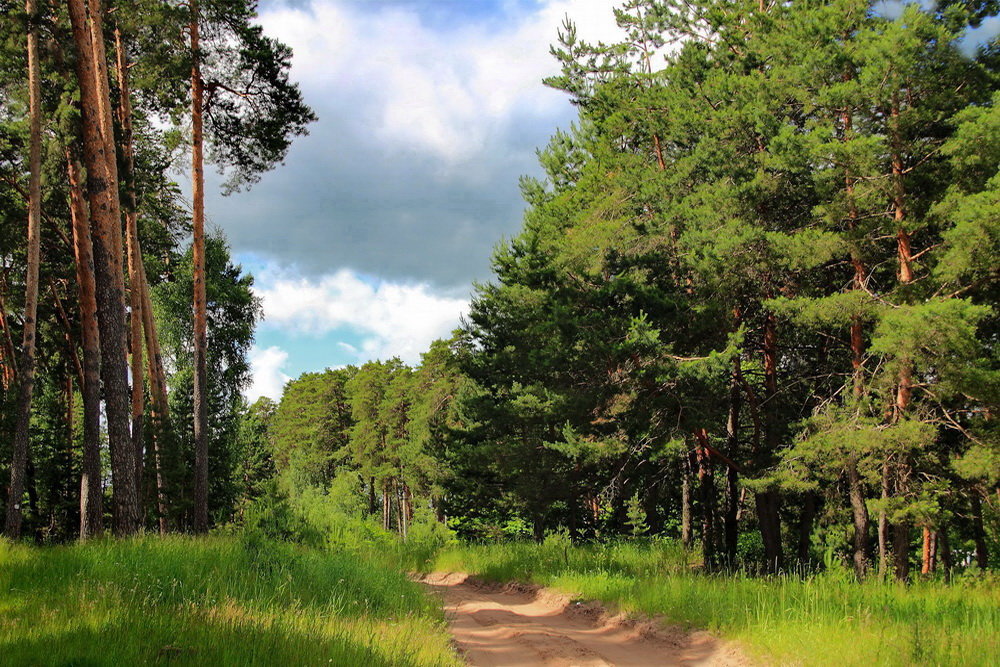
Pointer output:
202, 642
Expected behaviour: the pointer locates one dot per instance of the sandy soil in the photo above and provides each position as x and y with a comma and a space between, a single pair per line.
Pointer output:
518, 625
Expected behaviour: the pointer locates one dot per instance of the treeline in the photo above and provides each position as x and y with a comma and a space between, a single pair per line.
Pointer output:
753, 304
377, 435
108, 384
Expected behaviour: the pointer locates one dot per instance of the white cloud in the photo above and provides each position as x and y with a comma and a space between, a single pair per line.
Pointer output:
393, 319
444, 90
266, 368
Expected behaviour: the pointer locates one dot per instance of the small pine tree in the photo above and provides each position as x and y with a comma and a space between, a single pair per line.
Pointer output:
636, 516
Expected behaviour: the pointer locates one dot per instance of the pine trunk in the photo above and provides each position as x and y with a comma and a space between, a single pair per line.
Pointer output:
158, 390
883, 523
105, 217
978, 531
904, 388
386, 507
706, 491
945, 550
732, 476
133, 251
686, 502
903, 250
861, 519
860, 272
928, 561
403, 519
806, 521
71, 351
769, 502
26, 379
901, 550
200, 306
8, 361
91, 496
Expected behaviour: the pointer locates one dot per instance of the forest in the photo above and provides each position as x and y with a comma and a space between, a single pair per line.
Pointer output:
744, 352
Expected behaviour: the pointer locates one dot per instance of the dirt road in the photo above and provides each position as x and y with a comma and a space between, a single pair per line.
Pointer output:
518, 626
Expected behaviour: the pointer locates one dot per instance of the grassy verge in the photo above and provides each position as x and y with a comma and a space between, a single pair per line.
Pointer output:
210, 601
825, 619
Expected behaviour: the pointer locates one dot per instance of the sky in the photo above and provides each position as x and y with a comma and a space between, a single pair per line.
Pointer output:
366, 243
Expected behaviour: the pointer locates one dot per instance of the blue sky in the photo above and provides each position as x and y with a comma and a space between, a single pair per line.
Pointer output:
365, 244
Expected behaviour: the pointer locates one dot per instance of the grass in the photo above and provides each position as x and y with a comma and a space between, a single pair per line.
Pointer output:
211, 601
825, 619
228, 600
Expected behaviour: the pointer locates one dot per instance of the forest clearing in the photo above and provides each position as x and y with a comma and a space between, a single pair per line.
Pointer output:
716, 383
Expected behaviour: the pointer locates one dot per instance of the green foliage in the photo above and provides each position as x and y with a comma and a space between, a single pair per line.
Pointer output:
309, 429
636, 516
233, 312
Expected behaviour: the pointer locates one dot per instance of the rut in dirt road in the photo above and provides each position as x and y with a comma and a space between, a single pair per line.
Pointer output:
510, 626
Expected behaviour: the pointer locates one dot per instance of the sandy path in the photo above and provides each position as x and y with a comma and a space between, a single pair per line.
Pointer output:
495, 626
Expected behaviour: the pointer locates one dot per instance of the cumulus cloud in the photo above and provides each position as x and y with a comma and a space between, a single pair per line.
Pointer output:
442, 89
266, 369
426, 121
392, 319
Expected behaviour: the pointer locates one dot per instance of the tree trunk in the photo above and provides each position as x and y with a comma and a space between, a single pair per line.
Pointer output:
198, 251
371, 497
8, 361
904, 389
158, 390
903, 250
26, 382
945, 548
134, 252
32, 489
538, 528
686, 502
883, 523
105, 216
861, 519
706, 489
386, 507
930, 549
397, 494
91, 495
404, 511
806, 521
769, 502
732, 476
768, 517
901, 530
860, 272
68, 331
901, 550
978, 531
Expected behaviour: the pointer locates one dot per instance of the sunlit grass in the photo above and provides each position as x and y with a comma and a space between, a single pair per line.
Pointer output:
211, 601
825, 619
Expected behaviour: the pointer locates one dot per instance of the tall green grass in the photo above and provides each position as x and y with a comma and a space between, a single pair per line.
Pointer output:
211, 601
820, 619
